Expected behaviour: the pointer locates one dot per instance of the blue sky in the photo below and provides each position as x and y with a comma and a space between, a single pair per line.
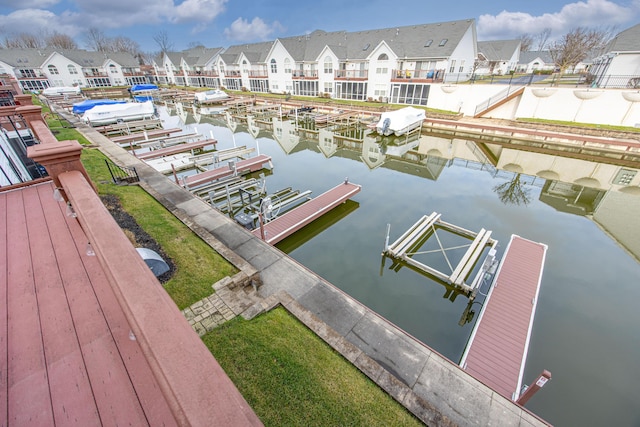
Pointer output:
221, 23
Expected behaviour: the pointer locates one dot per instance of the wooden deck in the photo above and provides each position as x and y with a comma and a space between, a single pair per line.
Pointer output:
141, 136
180, 148
248, 165
293, 220
66, 353
497, 349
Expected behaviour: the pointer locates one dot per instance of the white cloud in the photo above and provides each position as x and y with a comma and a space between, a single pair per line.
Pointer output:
39, 21
257, 29
592, 13
198, 10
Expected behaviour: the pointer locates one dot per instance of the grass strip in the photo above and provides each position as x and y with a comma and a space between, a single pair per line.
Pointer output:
290, 377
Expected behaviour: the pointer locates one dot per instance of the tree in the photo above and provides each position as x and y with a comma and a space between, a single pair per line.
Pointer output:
542, 39
60, 41
513, 192
526, 42
124, 44
96, 40
577, 45
162, 40
24, 41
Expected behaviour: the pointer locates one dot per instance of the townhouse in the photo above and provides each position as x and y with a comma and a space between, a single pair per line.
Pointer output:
619, 65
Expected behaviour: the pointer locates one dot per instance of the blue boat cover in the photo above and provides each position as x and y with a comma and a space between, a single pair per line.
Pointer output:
144, 86
87, 104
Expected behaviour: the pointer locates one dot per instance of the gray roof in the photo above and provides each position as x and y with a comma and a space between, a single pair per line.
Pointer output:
498, 50
527, 57
410, 41
255, 52
200, 56
25, 58
626, 41
34, 58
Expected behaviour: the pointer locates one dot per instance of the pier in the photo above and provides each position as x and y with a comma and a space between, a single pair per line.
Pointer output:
145, 135
252, 164
285, 225
497, 349
181, 148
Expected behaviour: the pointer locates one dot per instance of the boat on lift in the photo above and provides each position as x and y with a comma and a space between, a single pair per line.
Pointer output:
115, 113
401, 121
211, 96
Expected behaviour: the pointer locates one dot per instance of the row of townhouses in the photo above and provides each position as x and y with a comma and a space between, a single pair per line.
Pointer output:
396, 65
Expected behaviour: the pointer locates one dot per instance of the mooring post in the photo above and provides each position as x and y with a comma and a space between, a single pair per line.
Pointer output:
543, 378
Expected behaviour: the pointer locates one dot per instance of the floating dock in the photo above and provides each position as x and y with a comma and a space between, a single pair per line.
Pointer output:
175, 149
145, 135
288, 223
407, 246
253, 164
497, 349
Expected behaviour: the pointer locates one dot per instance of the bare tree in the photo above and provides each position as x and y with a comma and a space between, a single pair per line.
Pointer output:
513, 192
542, 38
162, 40
577, 45
24, 41
60, 41
124, 44
526, 42
96, 40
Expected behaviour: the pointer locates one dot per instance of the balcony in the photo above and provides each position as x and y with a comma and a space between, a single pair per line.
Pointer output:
262, 73
202, 73
304, 74
94, 74
351, 74
30, 74
417, 76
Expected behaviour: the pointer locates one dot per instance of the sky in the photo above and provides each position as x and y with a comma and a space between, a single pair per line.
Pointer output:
223, 23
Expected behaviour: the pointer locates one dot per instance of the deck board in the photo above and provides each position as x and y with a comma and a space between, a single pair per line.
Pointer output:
252, 164
293, 220
67, 357
498, 346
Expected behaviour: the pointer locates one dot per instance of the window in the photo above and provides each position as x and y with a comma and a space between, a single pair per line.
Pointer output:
443, 42
428, 43
244, 67
383, 57
287, 65
328, 87
53, 69
328, 65
382, 70
274, 66
461, 69
452, 68
366, 46
72, 69
113, 69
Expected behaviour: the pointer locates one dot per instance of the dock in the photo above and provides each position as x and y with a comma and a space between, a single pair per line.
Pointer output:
175, 149
497, 349
145, 135
128, 128
288, 223
252, 164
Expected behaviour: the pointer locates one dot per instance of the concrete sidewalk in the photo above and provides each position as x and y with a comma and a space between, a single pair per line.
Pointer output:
432, 387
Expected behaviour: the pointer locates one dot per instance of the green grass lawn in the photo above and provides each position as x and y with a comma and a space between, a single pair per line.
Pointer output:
197, 265
290, 377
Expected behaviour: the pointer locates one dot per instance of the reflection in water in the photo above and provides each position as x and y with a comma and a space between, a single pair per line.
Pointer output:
585, 211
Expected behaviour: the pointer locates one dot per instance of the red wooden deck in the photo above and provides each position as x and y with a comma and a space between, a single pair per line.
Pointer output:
140, 136
292, 221
66, 354
248, 165
497, 350
180, 148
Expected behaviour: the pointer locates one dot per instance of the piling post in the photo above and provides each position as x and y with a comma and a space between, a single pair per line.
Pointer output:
543, 378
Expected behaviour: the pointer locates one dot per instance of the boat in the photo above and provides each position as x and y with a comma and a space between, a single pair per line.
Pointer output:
83, 106
211, 96
115, 113
401, 121
144, 92
61, 90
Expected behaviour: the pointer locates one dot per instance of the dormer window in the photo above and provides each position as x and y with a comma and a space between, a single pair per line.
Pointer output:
443, 42
366, 46
428, 43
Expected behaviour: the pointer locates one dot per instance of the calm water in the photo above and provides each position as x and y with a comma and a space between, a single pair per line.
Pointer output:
586, 328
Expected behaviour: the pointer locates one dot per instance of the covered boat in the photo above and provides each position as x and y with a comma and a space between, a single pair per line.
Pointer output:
114, 113
62, 90
87, 104
401, 121
144, 92
211, 96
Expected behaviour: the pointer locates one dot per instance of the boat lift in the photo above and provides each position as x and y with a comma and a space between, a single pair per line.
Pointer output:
407, 246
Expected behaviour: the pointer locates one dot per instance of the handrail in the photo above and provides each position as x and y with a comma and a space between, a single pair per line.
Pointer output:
493, 100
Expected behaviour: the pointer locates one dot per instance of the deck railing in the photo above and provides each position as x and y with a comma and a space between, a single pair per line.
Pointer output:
122, 174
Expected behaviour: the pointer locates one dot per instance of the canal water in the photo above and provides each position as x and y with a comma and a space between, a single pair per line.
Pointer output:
586, 327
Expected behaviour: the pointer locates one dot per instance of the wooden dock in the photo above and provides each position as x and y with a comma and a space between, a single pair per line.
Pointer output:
243, 166
175, 149
497, 349
293, 220
141, 136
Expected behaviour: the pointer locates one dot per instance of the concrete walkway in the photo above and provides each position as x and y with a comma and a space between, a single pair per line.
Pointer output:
432, 387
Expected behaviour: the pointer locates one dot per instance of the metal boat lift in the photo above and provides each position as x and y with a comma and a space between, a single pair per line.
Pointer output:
408, 245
